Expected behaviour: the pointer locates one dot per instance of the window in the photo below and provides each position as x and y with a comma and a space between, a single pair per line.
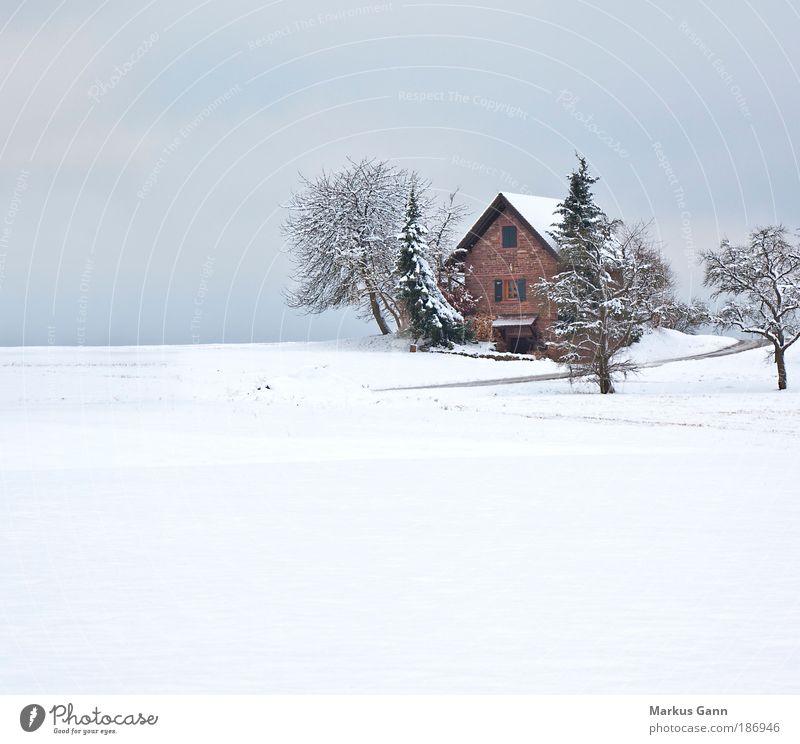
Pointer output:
509, 236
510, 289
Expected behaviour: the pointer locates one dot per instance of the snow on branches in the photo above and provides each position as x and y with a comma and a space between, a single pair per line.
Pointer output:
606, 300
760, 286
611, 283
341, 230
430, 314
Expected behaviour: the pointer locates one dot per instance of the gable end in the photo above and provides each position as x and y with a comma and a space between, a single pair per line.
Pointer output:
497, 208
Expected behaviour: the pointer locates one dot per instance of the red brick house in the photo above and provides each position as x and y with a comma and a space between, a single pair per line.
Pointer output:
507, 250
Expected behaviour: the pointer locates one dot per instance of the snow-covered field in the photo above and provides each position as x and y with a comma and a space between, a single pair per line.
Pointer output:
262, 519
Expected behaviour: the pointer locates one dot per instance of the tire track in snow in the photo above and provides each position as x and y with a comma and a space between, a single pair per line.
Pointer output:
737, 348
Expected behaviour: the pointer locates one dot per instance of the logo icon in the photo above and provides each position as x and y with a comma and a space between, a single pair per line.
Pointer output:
31, 717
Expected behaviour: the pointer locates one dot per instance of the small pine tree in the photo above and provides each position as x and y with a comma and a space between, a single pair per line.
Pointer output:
431, 316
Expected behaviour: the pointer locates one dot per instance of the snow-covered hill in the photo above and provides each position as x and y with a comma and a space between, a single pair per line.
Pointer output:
330, 369
260, 519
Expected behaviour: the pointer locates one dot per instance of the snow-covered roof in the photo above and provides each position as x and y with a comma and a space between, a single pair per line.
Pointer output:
539, 211
506, 322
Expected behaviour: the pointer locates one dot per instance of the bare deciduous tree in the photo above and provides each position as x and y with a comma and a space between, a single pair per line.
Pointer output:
685, 317
607, 299
761, 282
342, 232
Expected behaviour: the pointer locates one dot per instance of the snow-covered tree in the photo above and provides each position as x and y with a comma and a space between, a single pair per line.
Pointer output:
760, 284
341, 230
431, 317
685, 317
610, 284
443, 218
581, 221
448, 264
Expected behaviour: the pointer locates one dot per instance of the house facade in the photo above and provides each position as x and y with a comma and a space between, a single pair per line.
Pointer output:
506, 251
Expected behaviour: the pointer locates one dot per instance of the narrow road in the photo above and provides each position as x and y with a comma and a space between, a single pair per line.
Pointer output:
737, 348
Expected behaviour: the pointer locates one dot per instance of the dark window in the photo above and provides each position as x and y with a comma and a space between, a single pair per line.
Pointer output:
498, 290
509, 236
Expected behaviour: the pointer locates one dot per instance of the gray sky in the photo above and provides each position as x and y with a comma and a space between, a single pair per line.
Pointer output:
145, 149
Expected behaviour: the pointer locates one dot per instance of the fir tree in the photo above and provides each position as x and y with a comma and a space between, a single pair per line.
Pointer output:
341, 233
430, 315
582, 225
610, 284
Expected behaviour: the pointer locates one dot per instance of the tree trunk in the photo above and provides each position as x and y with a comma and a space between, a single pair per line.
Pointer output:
781, 364
603, 374
389, 309
376, 312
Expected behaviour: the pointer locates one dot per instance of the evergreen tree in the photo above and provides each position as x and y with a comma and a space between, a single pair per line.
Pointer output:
430, 315
341, 233
610, 284
582, 225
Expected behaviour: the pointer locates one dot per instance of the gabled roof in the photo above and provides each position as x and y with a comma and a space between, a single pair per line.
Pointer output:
536, 212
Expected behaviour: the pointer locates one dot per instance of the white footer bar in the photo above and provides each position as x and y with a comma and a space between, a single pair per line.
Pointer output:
401, 719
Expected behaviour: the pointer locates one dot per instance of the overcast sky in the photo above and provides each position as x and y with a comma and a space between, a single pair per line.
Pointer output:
146, 148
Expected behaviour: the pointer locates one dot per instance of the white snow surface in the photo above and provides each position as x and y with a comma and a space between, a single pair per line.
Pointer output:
169, 527
518, 321
539, 211
665, 343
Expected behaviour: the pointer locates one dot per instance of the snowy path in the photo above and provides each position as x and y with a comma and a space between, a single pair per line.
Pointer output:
737, 348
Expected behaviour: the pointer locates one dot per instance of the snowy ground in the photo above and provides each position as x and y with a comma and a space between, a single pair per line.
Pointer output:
170, 527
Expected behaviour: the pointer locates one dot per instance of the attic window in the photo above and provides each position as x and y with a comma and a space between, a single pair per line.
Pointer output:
509, 236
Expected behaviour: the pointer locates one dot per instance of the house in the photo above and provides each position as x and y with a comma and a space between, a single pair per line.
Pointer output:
507, 250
